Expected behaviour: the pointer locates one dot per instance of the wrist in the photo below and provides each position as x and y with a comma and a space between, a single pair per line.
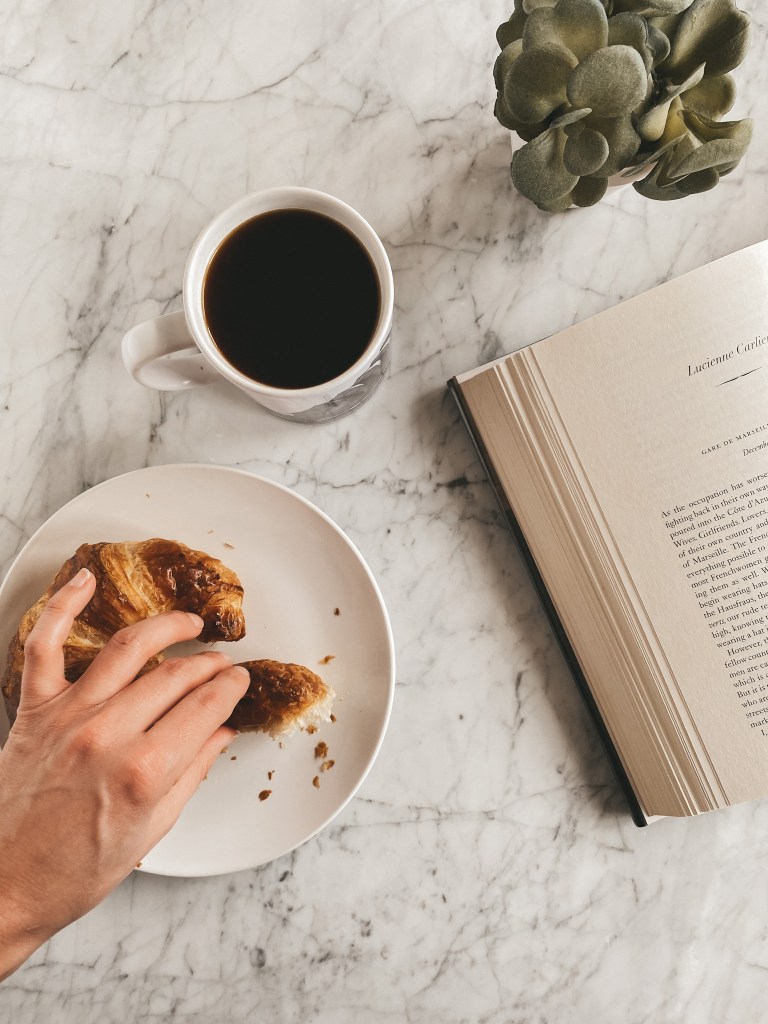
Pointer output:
20, 934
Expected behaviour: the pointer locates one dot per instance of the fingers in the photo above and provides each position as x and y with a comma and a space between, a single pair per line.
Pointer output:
128, 651
43, 676
151, 696
172, 804
162, 756
184, 731
197, 771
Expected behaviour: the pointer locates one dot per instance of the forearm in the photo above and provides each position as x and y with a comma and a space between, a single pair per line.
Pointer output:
93, 775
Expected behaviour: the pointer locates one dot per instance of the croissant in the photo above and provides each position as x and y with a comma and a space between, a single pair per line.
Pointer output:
137, 579
281, 699
134, 580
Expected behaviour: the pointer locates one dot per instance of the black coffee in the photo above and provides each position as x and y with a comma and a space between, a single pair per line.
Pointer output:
291, 298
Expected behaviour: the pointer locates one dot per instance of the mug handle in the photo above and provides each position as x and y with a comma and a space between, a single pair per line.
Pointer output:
161, 354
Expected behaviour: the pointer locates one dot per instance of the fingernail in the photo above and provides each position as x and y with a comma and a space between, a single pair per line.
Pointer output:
81, 578
196, 619
242, 671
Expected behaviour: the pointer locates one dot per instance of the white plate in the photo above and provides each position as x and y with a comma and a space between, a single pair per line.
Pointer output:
297, 567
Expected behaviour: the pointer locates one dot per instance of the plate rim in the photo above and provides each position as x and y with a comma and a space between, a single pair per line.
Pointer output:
391, 682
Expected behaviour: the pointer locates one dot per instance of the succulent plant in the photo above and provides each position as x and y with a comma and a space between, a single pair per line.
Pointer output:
601, 87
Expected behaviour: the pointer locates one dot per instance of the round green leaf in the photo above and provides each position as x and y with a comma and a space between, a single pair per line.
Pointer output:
675, 155
505, 60
700, 181
674, 131
589, 191
707, 130
570, 119
505, 119
536, 82
623, 141
667, 7
665, 23
631, 30
580, 25
511, 30
657, 184
660, 7
559, 205
711, 32
684, 170
585, 153
538, 171
710, 155
712, 97
611, 81
652, 124
575, 129
658, 43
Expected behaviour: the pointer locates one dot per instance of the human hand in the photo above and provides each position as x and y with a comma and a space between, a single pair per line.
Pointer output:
94, 774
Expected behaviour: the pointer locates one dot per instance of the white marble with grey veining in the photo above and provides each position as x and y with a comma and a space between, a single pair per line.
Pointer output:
486, 871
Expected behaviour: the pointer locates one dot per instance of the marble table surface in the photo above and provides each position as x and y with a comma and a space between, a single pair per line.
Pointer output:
487, 869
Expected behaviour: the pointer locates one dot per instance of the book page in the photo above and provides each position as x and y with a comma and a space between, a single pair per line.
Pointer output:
665, 401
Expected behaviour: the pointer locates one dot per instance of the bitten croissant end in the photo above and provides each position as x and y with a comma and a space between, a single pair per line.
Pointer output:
281, 699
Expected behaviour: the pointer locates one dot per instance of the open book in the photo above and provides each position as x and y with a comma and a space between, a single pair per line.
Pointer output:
630, 454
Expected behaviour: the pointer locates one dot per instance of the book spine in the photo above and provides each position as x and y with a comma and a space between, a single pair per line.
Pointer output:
569, 654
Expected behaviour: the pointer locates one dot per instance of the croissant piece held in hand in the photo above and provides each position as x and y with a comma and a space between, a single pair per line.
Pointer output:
281, 699
134, 580
137, 579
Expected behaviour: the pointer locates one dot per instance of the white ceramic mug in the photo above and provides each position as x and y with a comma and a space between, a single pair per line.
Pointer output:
176, 351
